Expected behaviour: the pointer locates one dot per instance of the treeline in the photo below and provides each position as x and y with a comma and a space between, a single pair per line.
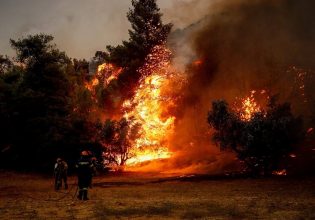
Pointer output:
46, 111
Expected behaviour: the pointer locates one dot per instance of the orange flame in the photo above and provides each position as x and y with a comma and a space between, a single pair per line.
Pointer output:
197, 62
280, 172
108, 72
90, 85
249, 106
149, 106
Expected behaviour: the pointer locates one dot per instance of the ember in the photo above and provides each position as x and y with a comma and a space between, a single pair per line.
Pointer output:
280, 172
292, 155
248, 106
107, 72
90, 85
197, 62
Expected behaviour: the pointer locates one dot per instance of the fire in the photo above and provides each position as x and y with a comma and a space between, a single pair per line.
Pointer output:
280, 172
248, 106
90, 85
148, 155
150, 104
197, 62
108, 72
149, 108
310, 130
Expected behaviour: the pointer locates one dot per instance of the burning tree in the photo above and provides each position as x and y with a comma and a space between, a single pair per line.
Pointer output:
260, 141
128, 83
117, 138
147, 32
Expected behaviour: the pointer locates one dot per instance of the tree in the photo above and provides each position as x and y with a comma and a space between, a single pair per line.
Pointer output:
117, 138
260, 142
42, 102
147, 31
9, 83
81, 67
5, 64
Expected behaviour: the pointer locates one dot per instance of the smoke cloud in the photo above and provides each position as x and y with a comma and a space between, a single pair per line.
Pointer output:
242, 46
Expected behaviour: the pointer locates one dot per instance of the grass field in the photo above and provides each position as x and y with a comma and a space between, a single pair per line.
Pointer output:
139, 196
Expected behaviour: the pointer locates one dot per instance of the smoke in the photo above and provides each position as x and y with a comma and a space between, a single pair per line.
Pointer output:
242, 46
80, 27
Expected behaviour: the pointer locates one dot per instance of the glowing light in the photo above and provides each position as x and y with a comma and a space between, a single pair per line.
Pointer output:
280, 172
248, 107
90, 85
149, 108
107, 72
197, 62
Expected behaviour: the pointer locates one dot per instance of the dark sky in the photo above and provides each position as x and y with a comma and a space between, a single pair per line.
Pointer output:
81, 27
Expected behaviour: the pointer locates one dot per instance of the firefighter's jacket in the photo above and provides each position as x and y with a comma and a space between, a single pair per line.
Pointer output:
61, 169
84, 171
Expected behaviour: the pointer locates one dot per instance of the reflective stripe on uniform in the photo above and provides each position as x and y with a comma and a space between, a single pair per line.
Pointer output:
83, 189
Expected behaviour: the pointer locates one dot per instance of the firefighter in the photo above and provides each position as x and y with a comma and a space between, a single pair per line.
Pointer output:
60, 173
84, 170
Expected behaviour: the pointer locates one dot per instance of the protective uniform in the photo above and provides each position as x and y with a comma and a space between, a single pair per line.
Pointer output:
84, 170
60, 173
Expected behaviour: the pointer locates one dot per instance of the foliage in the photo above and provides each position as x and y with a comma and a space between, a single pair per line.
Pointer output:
5, 64
147, 31
81, 67
44, 106
46, 109
117, 138
260, 142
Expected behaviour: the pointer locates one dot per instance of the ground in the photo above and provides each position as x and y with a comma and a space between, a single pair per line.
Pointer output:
148, 196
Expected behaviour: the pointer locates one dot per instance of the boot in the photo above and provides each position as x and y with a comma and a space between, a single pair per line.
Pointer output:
80, 196
85, 195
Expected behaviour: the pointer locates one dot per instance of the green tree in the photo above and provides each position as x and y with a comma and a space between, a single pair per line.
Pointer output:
42, 112
9, 83
260, 142
147, 31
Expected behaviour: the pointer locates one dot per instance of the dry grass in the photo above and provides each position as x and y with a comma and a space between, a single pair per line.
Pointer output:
142, 197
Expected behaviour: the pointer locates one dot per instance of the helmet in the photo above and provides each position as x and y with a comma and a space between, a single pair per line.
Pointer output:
84, 153
93, 159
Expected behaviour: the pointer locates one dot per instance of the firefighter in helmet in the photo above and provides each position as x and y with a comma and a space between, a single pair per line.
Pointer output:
60, 173
84, 171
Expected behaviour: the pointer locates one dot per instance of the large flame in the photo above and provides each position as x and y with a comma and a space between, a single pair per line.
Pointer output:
149, 108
